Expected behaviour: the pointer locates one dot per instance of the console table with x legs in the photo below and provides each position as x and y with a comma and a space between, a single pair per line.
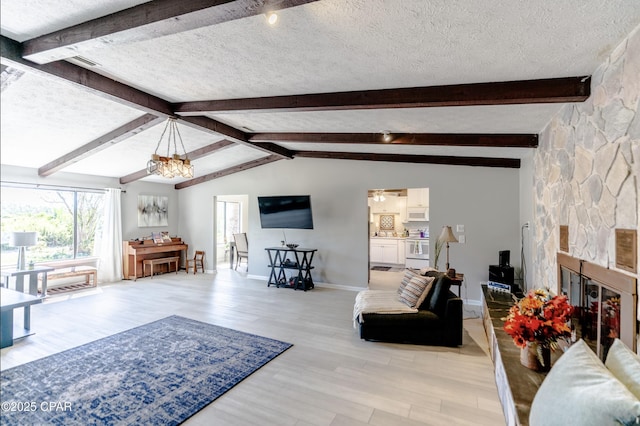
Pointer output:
297, 260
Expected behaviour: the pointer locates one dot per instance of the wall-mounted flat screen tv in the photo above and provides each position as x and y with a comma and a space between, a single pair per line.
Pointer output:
285, 212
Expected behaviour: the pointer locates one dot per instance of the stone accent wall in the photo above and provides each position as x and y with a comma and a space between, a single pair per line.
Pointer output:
587, 168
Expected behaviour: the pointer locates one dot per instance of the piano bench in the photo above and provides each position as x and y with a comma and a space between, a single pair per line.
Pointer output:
161, 261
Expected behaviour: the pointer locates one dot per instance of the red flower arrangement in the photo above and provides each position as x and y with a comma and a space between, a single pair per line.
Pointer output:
539, 318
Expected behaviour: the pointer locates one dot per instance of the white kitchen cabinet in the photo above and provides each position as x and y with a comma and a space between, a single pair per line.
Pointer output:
401, 252
376, 253
390, 253
418, 197
402, 207
384, 250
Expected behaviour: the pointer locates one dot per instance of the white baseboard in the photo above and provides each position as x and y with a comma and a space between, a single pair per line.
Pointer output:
336, 286
347, 287
343, 287
257, 277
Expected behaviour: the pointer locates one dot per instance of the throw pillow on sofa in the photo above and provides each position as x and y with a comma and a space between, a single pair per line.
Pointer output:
436, 300
416, 291
579, 390
408, 275
625, 365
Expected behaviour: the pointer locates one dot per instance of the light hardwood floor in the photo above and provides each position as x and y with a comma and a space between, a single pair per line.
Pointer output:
329, 376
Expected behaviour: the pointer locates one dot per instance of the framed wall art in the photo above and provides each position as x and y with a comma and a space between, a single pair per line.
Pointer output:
153, 210
387, 222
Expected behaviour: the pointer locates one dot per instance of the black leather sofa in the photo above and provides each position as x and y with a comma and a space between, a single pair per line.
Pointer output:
438, 321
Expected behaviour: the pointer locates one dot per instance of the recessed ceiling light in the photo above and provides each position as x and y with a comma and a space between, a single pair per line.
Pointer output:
386, 136
272, 18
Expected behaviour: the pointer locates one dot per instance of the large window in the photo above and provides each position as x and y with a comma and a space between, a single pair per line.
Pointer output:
66, 222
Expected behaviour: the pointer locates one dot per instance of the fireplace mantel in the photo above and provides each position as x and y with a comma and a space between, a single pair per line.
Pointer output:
517, 385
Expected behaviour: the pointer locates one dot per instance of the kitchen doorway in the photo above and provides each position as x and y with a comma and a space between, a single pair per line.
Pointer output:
231, 218
398, 232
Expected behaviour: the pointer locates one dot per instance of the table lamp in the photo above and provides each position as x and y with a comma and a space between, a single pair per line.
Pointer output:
22, 240
446, 236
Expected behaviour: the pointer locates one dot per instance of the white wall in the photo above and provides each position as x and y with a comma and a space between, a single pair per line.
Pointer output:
130, 229
485, 200
526, 216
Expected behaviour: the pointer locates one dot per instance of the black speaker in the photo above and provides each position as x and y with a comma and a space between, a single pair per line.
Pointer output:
501, 274
504, 257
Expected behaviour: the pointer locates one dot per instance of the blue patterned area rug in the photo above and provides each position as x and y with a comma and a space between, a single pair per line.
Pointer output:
156, 374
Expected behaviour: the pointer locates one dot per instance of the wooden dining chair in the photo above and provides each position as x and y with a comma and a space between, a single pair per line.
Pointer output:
198, 259
242, 248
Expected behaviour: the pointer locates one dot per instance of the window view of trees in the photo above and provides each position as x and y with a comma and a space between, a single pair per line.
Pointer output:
66, 222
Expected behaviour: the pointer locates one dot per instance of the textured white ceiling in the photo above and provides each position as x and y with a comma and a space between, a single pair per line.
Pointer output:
132, 155
26, 19
325, 46
413, 150
43, 119
482, 119
342, 45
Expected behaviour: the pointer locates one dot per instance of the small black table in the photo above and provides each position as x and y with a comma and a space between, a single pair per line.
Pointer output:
282, 259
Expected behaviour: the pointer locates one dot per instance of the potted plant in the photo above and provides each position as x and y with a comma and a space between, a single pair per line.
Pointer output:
439, 244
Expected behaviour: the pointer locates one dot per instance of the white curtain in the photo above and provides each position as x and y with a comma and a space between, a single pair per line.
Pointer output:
110, 249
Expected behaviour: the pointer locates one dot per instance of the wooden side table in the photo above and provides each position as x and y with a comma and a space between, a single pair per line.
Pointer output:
457, 281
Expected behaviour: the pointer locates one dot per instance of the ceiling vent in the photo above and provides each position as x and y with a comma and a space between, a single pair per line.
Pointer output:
85, 61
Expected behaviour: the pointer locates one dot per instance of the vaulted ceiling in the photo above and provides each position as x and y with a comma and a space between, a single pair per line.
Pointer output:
87, 86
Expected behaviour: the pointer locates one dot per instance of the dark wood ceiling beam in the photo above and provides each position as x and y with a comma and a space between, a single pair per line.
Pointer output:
145, 21
209, 149
229, 171
214, 127
118, 135
239, 136
513, 163
107, 88
193, 155
421, 139
553, 90
86, 80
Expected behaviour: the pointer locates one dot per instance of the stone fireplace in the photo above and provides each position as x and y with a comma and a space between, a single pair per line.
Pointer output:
586, 171
605, 303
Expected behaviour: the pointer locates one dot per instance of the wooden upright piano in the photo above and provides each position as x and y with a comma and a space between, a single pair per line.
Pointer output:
135, 252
